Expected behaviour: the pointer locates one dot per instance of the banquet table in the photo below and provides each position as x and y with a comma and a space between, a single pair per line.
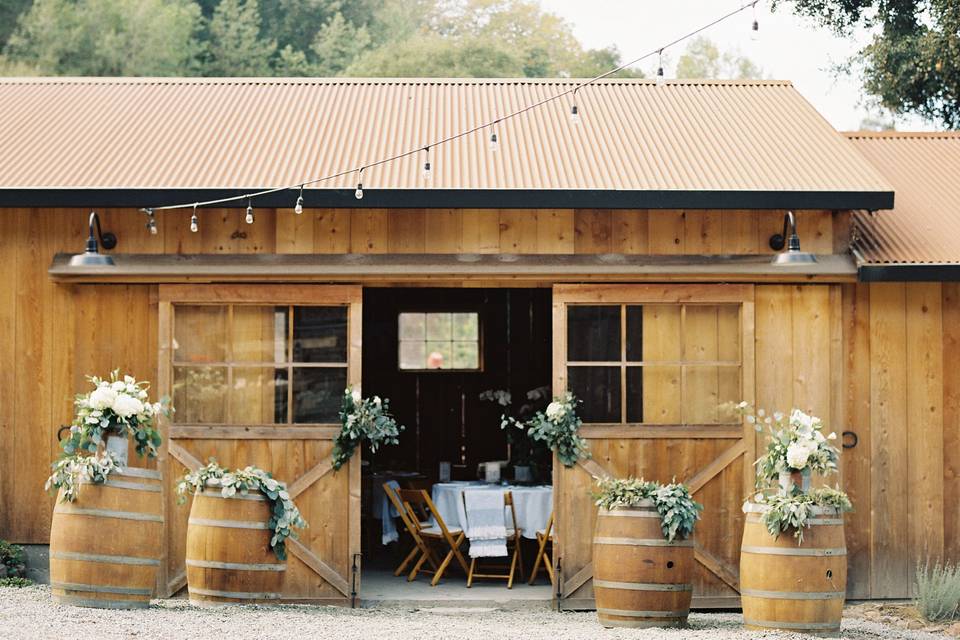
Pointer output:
532, 504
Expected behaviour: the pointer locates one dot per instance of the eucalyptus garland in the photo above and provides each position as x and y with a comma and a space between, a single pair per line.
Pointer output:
678, 510
785, 512
363, 419
68, 471
557, 426
285, 515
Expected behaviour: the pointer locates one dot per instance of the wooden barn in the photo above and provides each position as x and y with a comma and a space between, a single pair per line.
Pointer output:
626, 257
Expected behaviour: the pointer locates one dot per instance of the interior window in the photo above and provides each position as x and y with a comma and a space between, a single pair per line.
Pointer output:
439, 340
259, 365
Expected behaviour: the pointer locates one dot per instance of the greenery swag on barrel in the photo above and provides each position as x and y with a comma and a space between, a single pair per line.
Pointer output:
643, 553
236, 534
102, 539
794, 583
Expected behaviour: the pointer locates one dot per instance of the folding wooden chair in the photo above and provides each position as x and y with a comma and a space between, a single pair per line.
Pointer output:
436, 533
544, 537
513, 539
413, 526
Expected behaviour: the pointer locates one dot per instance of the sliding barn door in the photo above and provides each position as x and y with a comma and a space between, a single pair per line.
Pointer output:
256, 374
657, 369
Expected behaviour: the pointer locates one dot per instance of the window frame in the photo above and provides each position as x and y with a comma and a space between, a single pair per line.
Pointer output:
444, 310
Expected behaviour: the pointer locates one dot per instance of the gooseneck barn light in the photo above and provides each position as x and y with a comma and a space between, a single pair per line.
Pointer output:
91, 257
793, 256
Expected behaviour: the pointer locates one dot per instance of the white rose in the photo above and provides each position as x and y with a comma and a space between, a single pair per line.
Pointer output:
555, 411
119, 385
832, 436
797, 455
125, 406
102, 398
355, 394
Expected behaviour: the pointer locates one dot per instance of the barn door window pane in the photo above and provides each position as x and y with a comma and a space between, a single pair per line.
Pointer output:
593, 333
599, 390
200, 334
316, 394
319, 334
200, 394
439, 340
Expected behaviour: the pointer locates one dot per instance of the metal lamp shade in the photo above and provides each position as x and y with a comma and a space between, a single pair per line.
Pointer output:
91, 259
793, 259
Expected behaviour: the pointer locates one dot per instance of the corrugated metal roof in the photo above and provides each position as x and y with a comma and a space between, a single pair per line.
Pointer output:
166, 134
924, 227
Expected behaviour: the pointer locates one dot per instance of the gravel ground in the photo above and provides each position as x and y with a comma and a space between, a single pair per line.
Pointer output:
30, 613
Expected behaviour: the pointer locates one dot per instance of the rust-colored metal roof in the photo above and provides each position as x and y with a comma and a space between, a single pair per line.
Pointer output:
180, 135
924, 228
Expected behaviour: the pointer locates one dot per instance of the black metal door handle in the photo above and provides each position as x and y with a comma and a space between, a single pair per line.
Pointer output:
60, 431
850, 434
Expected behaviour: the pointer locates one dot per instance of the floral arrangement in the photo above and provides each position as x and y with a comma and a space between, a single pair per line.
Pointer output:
796, 444
117, 406
785, 512
524, 450
678, 510
557, 426
363, 419
284, 513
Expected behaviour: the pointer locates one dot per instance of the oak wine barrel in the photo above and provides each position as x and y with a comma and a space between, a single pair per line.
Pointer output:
639, 578
229, 559
793, 587
104, 549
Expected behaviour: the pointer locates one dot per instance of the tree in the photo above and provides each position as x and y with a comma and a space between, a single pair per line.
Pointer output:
235, 47
703, 59
107, 37
912, 63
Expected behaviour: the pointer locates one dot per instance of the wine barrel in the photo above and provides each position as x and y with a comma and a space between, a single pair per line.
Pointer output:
104, 549
639, 578
229, 559
793, 587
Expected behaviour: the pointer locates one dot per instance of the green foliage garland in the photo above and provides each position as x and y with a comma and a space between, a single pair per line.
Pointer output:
557, 426
785, 512
284, 513
678, 510
363, 419
68, 470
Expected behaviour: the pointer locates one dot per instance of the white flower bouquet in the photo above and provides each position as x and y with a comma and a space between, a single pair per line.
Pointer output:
363, 419
557, 426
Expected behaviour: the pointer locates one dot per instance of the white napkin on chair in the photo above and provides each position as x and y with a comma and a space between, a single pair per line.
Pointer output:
387, 513
486, 527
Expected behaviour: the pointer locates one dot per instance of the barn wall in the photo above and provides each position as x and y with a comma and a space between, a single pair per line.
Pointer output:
892, 343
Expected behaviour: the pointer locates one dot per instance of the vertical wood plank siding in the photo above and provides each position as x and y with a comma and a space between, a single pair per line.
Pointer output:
896, 388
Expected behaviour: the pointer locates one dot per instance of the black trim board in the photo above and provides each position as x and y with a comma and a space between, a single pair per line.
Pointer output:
908, 272
458, 198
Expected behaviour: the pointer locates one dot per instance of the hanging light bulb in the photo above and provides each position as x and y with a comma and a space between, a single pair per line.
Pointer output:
494, 144
427, 171
358, 194
151, 222
249, 217
755, 27
660, 76
298, 208
194, 221
574, 111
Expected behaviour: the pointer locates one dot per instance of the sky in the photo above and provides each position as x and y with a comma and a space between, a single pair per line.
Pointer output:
789, 47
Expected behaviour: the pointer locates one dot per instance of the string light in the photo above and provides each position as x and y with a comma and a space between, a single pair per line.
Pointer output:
249, 217
298, 208
427, 172
755, 27
494, 143
194, 220
574, 118
151, 221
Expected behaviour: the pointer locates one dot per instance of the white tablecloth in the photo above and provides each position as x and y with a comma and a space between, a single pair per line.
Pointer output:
532, 504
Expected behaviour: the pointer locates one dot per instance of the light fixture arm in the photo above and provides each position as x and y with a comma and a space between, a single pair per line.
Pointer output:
780, 240
108, 240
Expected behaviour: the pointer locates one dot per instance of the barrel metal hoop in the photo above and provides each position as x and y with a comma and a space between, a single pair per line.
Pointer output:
786, 551
627, 613
774, 624
642, 542
97, 603
793, 595
137, 472
95, 557
642, 586
108, 513
98, 588
810, 523
238, 566
120, 484
233, 595
628, 514
257, 497
228, 524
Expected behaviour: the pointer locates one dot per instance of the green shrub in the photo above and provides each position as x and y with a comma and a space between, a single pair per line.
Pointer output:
12, 560
15, 582
937, 591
